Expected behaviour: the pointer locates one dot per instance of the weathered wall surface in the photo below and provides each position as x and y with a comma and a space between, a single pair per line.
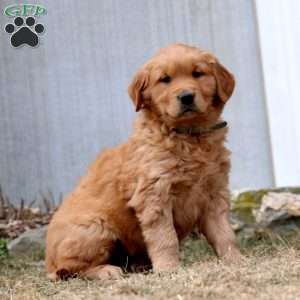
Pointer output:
64, 101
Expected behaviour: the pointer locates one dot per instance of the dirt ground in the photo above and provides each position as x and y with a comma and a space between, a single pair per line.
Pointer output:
270, 270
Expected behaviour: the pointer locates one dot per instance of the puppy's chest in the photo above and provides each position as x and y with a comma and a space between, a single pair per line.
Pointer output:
192, 183
186, 209
193, 167
186, 196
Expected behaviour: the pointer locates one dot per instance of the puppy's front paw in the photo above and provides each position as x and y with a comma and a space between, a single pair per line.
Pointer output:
166, 265
233, 256
105, 272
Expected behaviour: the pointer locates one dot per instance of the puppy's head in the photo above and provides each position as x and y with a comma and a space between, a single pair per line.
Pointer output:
182, 85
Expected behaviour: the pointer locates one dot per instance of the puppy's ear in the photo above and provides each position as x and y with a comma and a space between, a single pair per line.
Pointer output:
225, 82
136, 88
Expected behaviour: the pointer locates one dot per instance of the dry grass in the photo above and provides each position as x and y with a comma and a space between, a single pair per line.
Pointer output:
271, 270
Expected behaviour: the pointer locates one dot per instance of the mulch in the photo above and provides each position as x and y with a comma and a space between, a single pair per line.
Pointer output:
16, 219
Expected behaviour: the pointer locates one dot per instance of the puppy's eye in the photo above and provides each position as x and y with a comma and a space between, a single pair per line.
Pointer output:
197, 74
165, 79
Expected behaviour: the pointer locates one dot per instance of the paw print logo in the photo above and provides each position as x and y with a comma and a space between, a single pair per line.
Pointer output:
24, 33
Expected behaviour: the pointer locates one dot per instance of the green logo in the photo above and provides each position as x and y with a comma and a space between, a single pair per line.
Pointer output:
24, 29
24, 10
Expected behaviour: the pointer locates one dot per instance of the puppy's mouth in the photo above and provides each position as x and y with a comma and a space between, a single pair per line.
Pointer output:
188, 111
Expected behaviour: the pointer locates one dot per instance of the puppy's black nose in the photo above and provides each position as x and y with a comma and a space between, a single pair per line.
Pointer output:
186, 98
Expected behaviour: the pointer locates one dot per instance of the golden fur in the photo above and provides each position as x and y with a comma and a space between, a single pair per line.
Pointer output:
149, 193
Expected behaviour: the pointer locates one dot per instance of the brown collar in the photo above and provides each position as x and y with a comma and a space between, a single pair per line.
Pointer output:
200, 130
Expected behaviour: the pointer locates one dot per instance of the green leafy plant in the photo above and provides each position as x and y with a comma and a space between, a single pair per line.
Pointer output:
3, 249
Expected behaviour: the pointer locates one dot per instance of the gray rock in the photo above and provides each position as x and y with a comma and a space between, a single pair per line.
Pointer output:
29, 243
248, 232
266, 211
236, 224
277, 207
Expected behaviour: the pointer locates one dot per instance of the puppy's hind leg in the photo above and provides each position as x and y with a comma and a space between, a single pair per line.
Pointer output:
84, 251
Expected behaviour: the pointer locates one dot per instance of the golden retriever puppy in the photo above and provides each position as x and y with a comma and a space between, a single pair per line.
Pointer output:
169, 178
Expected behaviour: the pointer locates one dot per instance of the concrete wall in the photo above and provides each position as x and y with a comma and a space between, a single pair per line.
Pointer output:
64, 101
280, 51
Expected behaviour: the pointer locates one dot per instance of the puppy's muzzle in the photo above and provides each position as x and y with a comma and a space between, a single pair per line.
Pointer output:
187, 101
